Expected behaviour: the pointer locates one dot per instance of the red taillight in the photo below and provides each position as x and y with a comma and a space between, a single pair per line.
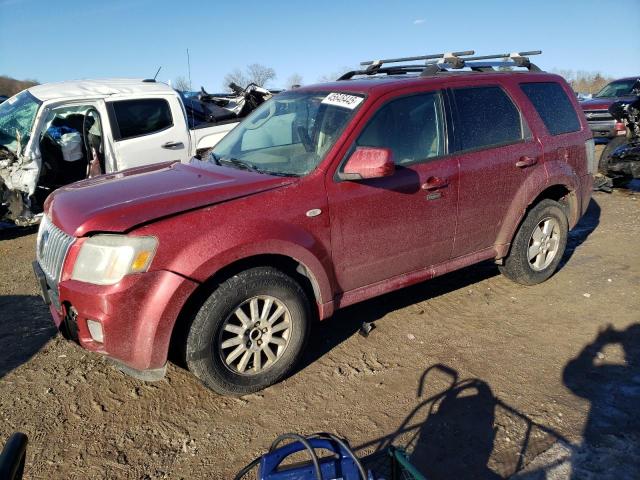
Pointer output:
620, 128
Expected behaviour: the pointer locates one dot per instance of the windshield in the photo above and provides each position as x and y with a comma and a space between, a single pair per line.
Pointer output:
621, 88
16, 120
289, 134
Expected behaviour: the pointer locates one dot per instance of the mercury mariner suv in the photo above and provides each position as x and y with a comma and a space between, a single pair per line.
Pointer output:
324, 196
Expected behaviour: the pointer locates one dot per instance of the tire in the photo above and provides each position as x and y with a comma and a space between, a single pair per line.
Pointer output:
517, 265
605, 156
218, 323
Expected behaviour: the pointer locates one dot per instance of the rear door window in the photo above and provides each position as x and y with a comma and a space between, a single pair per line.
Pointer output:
554, 107
135, 118
485, 117
412, 127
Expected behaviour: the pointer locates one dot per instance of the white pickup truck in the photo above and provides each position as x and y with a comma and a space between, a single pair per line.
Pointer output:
57, 133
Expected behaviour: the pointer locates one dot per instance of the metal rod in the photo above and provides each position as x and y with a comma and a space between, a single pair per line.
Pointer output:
411, 59
502, 55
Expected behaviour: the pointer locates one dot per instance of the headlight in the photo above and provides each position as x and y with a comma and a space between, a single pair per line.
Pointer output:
106, 259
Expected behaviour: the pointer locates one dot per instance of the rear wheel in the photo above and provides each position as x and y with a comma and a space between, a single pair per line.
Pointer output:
538, 245
250, 332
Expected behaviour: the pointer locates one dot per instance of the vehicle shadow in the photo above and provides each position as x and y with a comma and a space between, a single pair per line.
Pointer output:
329, 333
25, 327
579, 234
9, 231
612, 386
611, 437
451, 433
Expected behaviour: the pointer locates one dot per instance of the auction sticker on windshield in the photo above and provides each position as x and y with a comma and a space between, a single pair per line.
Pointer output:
342, 100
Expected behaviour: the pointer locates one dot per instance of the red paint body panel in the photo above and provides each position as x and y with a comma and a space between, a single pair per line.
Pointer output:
137, 315
597, 103
371, 236
367, 162
120, 201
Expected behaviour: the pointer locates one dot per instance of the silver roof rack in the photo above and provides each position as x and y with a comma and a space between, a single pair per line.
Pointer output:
439, 62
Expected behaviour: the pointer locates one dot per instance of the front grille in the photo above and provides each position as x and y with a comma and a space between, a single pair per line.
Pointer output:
51, 249
597, 115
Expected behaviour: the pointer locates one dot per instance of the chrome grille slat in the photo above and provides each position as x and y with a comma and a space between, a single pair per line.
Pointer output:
52, 255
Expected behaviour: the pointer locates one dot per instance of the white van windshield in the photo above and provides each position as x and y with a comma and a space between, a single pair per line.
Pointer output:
16, 120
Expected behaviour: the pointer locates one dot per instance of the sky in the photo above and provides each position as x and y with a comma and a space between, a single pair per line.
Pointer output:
70, 39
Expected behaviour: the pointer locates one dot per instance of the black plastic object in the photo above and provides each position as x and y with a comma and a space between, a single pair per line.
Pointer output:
13, 457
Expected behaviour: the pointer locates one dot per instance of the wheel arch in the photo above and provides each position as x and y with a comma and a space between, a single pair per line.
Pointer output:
293, 267
562, 192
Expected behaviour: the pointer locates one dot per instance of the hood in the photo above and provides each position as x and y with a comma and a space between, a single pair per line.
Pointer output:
123, 200
601, 103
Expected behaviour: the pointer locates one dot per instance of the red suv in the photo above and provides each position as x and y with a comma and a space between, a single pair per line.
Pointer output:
325, 196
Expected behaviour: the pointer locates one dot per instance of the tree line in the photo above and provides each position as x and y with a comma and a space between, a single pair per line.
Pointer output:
256, 73
581, 81
10, 86
584, 82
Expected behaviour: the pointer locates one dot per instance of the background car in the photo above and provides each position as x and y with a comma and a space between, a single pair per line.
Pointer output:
596, 109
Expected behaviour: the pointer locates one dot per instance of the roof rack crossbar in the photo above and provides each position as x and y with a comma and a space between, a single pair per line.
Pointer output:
439, 62
413, 59
374, 67
514, 59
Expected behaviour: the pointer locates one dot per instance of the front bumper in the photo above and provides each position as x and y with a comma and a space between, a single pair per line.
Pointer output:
137, 315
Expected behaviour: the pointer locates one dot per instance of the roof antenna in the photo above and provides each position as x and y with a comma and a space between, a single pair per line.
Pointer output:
189, 70
152, 80
193, 122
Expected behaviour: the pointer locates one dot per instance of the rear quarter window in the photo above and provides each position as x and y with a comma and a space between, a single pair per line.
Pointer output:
141, 117
554, 107
485, 117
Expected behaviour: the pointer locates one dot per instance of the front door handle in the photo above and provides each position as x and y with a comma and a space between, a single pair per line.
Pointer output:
173, 145
526, 161
435, 183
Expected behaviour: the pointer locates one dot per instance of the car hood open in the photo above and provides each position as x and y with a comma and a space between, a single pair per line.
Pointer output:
118, 202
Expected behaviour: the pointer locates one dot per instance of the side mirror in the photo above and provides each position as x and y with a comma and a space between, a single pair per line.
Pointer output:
368, 162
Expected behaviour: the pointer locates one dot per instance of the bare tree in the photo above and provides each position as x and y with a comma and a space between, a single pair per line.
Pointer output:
584, 82
294, 80
260, 75
254, 73
182, 84
10, 86
236, 76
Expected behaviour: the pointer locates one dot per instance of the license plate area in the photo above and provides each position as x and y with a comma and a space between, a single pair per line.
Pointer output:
48, 294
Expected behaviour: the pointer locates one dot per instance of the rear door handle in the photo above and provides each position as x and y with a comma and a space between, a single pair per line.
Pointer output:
435, 183
526, 161
173, 145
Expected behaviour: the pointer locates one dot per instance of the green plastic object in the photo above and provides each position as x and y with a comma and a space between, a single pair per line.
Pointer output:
402, 469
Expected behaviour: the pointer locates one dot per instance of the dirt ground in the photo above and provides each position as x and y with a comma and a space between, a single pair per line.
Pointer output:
475, 375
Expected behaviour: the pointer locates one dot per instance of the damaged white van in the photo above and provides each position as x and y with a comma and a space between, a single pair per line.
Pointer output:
58, 133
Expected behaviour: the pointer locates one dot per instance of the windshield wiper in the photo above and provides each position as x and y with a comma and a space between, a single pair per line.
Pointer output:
238, 163
215, 158
279, 174
250, 167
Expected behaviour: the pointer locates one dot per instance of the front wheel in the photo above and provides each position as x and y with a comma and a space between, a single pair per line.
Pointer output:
250, 332
538, 245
